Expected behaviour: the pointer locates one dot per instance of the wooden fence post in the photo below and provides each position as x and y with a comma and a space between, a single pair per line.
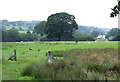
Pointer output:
56, 56
15, 58
48, 56
105, 79
64, 55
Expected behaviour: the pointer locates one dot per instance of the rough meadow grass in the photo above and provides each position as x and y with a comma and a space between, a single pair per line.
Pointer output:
36, 59
79, 64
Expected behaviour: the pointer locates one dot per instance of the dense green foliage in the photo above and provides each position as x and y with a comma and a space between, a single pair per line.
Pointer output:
86, 38
40, 28
113, 32
10, 35
116, 37
115, 10
95, 33
89, 29
79, 36
60, 26
13, 35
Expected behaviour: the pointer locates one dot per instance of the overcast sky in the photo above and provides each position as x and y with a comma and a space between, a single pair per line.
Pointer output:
87, 12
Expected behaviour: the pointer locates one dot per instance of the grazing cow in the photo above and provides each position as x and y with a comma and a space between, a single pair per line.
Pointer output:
30, 49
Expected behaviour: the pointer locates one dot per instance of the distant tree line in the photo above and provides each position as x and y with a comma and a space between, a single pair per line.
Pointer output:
115, 33
18, 23
90, 29
29, 24
13, 35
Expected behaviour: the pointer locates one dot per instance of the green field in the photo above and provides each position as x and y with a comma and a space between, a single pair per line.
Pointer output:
11, 70
24, 32
24, 28
10, 27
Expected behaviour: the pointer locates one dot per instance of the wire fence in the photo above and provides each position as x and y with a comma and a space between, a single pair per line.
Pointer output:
7, 54
51, 58
10, 55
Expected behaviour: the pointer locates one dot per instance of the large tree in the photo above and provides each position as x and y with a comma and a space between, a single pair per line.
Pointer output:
60, 26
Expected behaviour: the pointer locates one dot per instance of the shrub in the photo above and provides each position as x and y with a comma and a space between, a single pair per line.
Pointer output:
85, 38
116, 37
44, 38
116, 68
27, 71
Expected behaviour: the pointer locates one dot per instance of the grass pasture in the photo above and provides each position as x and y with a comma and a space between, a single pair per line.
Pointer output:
10, 27
80, 60
24, 32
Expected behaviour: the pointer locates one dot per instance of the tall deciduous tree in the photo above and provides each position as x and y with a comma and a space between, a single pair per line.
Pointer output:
12, 35
60, 26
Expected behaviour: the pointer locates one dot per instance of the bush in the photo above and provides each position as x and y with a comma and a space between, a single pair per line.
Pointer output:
85, 38
116, 37
27, 71
116, 68
44, 38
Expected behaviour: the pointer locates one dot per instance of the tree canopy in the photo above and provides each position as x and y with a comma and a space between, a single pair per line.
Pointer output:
115, 10
113, 32
95, 33
12, 35
79, 36
116, 37
40, 28
60, 26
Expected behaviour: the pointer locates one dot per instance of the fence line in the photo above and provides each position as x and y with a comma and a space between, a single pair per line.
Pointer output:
11, 55
7, 53
50, 58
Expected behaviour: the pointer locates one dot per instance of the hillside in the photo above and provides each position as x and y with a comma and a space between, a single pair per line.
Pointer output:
19, 25
29, 26
89, 29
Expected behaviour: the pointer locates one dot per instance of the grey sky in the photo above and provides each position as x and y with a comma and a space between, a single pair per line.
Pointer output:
87, 12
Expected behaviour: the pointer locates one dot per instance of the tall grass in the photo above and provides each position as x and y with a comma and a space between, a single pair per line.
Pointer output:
78, 66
